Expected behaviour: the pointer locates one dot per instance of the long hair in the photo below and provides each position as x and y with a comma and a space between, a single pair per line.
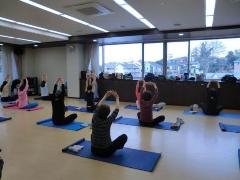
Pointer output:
2, 86
23, 85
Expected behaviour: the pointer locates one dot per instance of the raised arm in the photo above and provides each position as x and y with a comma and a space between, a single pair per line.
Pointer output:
107, 94
27, 86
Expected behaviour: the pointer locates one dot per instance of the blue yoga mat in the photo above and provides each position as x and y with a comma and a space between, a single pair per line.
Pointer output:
135, 122
229, 128
78, 109
4, 118
222, 114
74, 126
239, 156
134, 107
132, 158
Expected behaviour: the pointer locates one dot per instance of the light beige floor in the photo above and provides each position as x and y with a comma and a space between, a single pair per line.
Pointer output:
199, 151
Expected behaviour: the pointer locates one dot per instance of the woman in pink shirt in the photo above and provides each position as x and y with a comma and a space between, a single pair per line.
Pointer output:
22, 102
147, 98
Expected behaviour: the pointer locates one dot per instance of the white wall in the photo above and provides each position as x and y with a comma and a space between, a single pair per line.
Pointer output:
75, 61
66, 62
50, 61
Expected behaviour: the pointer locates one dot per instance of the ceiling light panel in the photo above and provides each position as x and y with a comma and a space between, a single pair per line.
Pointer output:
21, 39
63, 15
209, 12
134, 12
31, 28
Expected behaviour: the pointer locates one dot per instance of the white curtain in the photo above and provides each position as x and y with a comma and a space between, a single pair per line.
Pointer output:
92, 57
11, 63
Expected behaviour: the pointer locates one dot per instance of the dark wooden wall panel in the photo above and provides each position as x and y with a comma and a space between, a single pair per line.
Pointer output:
183, 93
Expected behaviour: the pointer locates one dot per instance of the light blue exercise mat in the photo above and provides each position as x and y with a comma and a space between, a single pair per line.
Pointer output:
127, 157
222, 114
229, 128
135, 122
74, 126
134, 107
78, 109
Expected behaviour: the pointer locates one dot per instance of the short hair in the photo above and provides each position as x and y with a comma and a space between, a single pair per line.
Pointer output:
146, 96
103, 111
43, 83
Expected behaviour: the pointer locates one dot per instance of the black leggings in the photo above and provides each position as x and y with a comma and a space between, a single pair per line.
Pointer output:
44, 98
152, 123
116, 144
67, 120
208, 111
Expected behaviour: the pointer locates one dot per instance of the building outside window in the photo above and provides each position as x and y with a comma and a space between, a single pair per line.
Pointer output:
123, 58
177, 59
153, 58
215, 58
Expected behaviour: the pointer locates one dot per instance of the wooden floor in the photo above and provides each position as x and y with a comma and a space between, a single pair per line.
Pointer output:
199, 151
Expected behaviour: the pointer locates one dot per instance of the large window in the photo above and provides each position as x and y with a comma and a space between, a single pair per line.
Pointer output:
124, 58
153, 58
215, 58
100, 53
177, 58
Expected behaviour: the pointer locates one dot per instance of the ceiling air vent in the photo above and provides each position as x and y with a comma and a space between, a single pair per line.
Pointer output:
91, 9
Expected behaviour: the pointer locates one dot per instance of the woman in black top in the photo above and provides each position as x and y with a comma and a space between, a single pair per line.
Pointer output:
89, 93
58, 107
211, 106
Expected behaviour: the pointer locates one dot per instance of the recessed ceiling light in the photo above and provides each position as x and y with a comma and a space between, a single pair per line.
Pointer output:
1, 44
63, 15
94, 40
21, 39
180, 34
134, 12
35, 45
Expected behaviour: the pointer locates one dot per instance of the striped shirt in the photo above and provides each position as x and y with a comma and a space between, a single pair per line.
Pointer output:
101, 137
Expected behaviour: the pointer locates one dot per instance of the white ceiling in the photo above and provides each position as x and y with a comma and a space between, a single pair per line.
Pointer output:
161, 13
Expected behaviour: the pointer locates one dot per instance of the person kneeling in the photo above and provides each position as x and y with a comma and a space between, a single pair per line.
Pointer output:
58, 107
145, 115
102, 145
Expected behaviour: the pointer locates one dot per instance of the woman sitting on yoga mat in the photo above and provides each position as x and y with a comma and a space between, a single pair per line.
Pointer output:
147, 99
92, 79
22, 101
139, 85
211, 106
44, 90
58, 107
102, 145
89, 94
4, 91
